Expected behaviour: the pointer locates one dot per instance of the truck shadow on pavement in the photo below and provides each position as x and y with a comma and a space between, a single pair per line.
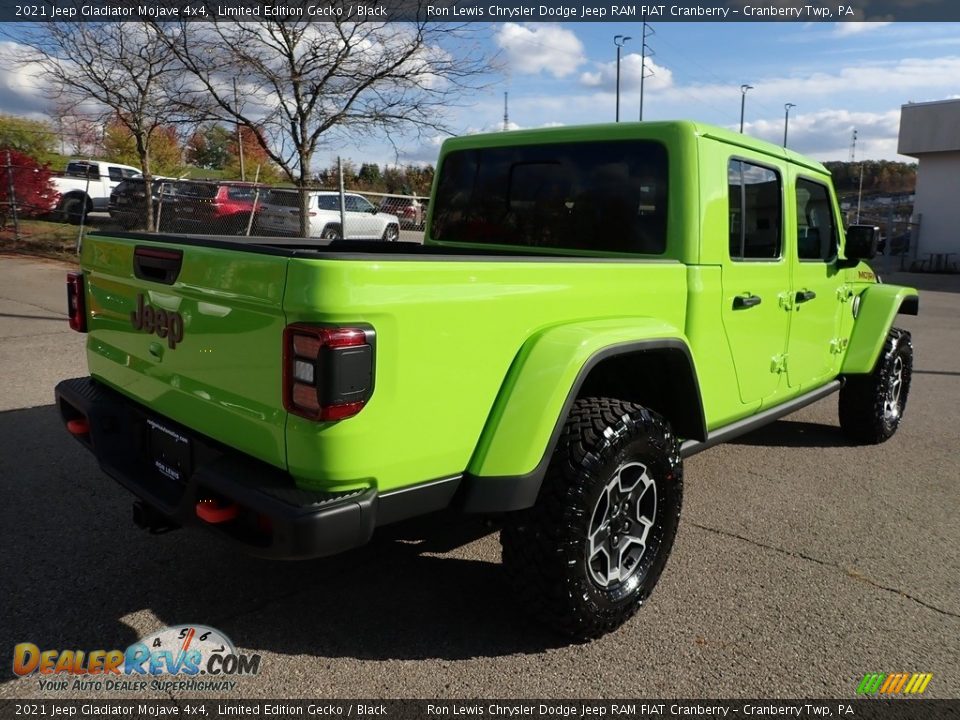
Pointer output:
78, 574
795, 433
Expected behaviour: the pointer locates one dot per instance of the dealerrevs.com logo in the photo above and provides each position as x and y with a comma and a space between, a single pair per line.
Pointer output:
179, 657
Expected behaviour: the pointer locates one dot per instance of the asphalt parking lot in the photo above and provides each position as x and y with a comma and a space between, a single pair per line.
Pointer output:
801, 562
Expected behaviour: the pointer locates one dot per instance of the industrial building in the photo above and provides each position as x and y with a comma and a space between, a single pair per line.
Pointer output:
930, 132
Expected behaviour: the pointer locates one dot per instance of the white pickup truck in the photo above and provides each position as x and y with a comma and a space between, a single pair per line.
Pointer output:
86, 186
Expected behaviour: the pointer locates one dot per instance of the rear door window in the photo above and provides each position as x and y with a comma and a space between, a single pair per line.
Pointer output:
83, 170
356, 203
755, 211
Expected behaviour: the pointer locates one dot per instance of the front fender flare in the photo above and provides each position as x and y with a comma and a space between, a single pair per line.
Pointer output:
878, 305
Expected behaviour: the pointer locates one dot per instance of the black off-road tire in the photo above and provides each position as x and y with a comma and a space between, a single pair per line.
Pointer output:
391, 233
74, 210
547, 549
331, 232
872, 406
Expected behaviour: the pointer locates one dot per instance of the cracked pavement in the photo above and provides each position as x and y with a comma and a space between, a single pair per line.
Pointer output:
801, 562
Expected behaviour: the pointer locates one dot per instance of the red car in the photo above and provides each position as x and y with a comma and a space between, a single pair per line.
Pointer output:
410, 210
210, 208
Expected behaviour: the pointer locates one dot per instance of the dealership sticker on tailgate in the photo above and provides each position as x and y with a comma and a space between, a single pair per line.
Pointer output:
170, 451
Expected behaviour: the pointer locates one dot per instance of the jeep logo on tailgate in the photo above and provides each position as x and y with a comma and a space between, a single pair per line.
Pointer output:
163, 323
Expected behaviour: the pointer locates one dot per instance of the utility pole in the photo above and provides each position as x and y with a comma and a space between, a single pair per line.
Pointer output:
644, 52
786, 121
12, 199
860, 192
619, 41
853, 157
243, 174
743, 103
506, 115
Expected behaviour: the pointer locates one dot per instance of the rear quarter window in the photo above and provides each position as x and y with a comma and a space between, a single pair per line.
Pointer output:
601, 196
241, 193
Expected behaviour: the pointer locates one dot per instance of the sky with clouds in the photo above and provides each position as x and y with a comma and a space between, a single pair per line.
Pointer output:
840, 77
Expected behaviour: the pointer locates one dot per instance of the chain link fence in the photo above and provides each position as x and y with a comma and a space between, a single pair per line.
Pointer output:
252, 209
21, 196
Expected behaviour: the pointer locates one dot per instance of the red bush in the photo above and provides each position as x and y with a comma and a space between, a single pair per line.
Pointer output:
33, 192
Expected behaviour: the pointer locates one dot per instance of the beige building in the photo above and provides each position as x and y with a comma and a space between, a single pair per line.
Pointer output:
930, 132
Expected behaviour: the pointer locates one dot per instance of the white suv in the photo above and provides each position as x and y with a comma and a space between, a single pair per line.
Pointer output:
280, 215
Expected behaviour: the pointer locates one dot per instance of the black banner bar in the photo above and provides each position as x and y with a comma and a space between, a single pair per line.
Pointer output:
900, 709
805, 11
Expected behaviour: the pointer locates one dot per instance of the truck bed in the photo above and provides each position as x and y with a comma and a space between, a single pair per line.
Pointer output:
435, 310
369, 249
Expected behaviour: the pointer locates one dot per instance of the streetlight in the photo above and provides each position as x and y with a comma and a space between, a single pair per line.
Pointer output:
619, 41
786, 121
743, 102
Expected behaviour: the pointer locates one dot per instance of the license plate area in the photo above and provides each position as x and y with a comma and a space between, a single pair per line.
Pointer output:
171, 452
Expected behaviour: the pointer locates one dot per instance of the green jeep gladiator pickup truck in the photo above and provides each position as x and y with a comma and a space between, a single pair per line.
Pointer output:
589, 306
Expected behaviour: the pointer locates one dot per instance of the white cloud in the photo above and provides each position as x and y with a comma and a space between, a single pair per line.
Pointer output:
910, 78
826, 134
22, 87
605, 75
846, 29
532, 49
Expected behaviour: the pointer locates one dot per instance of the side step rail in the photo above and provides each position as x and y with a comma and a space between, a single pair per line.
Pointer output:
741, 427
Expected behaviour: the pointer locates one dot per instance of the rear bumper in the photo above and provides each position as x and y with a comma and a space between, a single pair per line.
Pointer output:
274, 518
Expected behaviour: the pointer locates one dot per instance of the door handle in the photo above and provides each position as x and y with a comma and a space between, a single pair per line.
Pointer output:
805, 296
742, 302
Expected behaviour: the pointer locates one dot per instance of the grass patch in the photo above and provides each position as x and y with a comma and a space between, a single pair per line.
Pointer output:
49, 239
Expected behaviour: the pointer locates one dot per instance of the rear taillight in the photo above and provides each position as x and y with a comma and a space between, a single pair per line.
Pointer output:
327, 371
76, 306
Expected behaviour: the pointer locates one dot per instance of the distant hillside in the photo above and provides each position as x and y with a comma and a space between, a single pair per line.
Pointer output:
879, 176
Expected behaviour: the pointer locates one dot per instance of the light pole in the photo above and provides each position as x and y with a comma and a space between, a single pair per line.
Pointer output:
743, 102
786, 121
619, 41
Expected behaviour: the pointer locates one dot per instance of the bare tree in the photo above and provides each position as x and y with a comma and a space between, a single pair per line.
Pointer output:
81, 133
297, 86
123, 72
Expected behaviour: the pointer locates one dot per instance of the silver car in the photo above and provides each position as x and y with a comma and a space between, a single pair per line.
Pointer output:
280, 215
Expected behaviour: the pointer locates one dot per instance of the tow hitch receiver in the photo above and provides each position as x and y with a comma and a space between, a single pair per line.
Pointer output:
150, 519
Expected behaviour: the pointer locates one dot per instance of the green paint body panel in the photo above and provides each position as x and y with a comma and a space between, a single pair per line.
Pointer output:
224, 379
534, 394
447, 335
475, 356
879, 304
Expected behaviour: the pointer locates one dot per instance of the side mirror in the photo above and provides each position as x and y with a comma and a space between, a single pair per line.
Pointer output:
861, 244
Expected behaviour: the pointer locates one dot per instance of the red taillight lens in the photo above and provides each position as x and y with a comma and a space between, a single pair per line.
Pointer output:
327, 371
76, 305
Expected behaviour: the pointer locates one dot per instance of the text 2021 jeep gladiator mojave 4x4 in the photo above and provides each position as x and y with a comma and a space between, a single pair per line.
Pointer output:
589, 306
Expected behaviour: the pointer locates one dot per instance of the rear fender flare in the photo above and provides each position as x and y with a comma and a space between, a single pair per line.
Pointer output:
522, 430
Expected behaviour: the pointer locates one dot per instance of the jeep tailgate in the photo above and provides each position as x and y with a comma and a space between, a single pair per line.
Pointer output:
196, 340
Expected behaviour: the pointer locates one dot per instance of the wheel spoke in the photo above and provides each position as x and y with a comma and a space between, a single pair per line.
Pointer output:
891, 403
621, 522
600, 537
